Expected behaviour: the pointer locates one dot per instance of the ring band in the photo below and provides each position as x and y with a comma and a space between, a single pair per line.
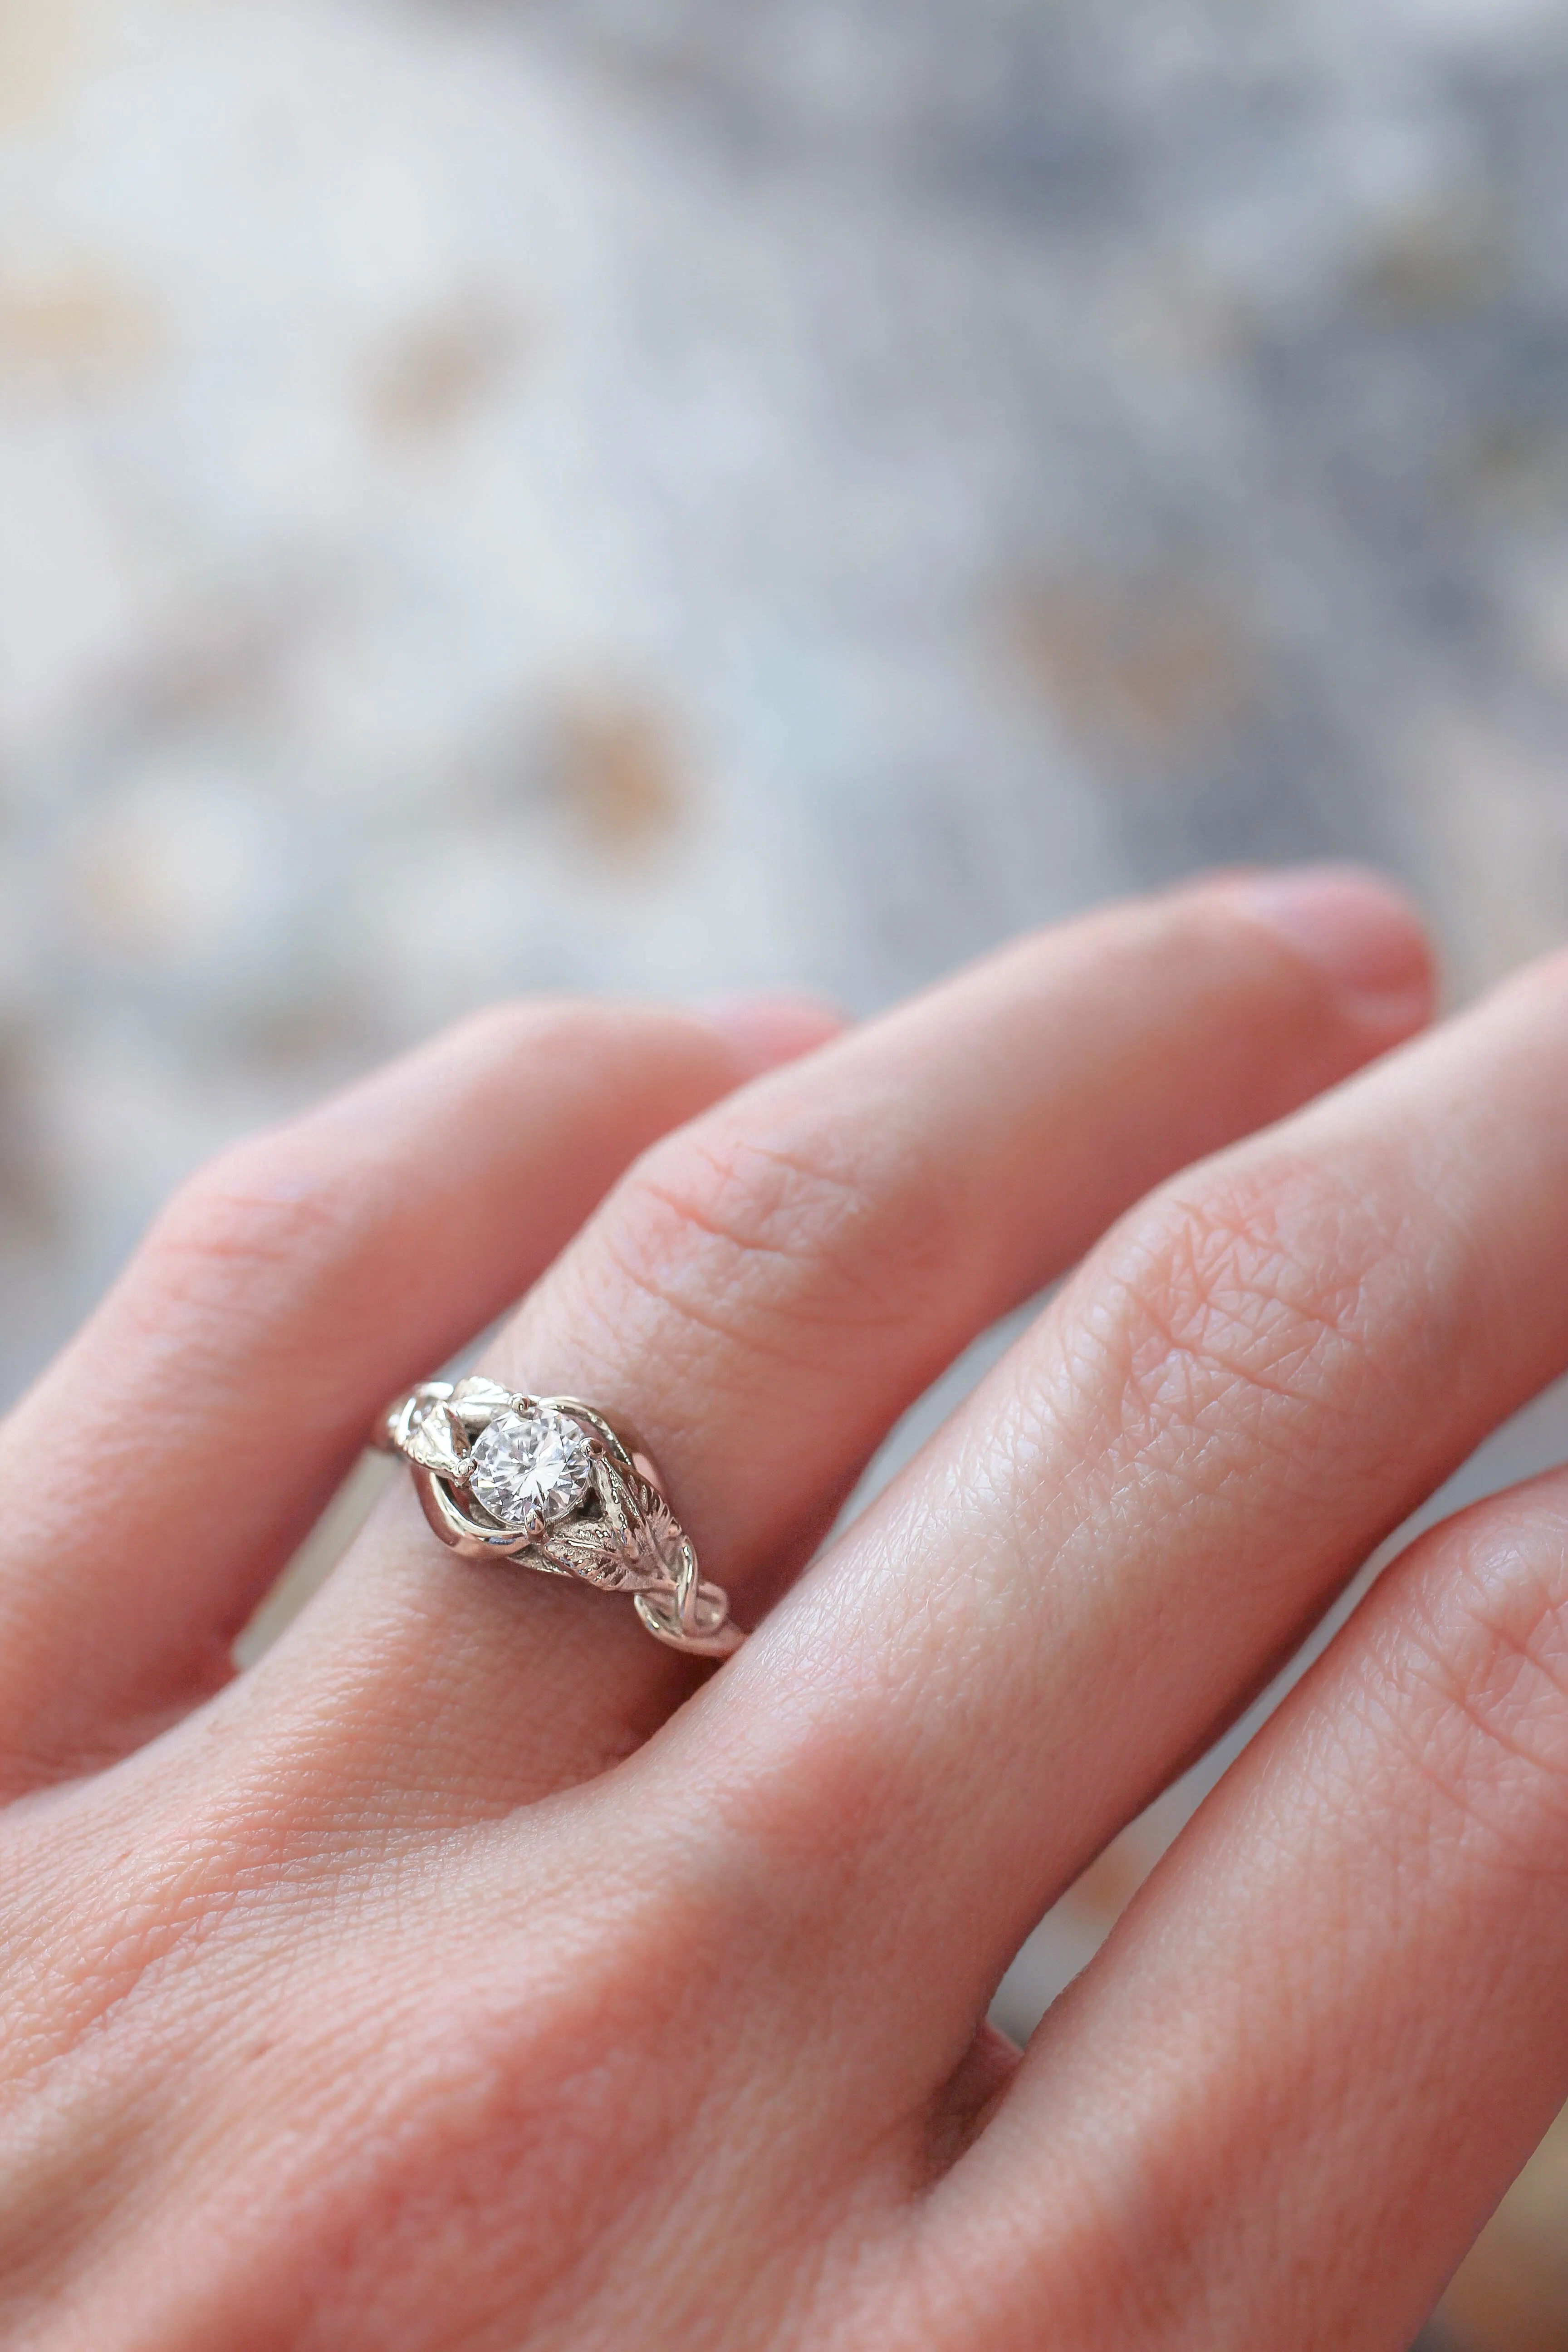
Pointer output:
549, 1483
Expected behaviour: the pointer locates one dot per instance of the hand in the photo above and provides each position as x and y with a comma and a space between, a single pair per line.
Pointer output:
475, 1973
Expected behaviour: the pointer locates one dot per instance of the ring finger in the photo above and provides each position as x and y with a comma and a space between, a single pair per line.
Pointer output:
767, 1290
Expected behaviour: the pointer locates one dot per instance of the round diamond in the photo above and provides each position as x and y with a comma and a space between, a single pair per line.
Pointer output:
529, 1464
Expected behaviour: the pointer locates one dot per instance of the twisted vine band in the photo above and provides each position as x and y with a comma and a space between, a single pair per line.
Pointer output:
547, 1482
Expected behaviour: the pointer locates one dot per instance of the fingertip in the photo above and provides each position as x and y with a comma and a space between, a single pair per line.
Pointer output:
1361, 932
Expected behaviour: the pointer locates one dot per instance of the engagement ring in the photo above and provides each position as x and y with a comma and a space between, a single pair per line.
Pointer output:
549, 1483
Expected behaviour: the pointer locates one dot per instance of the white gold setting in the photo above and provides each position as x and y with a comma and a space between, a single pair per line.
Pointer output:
530, 1469
547, 1482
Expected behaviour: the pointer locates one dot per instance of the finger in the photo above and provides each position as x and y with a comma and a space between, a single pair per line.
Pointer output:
1321, 2046
767, 1291
163, 1467
1258, 1375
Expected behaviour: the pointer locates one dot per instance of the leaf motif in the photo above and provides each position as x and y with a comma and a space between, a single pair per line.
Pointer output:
437, 1443
628, 1548
588, 1549
475, 1400
664, 1536
652, 1532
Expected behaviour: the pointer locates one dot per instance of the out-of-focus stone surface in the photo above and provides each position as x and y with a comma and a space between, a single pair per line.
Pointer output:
512, 494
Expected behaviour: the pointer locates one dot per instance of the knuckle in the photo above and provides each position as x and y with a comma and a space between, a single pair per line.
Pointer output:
1480, 1681
248, 1220
772, 1239
1244, 1309
562, 2101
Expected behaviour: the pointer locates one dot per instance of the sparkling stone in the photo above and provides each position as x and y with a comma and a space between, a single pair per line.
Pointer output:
527, 1462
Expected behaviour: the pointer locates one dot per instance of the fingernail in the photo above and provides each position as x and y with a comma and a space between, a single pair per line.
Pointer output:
1358, 929
768, 1030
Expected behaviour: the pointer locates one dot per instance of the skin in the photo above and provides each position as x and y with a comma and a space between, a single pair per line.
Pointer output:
474, 1973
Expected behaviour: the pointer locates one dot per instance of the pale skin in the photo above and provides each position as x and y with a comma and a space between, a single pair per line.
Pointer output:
475, 1974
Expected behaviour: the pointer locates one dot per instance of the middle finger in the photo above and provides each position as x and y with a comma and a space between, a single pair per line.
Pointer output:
1257, 1377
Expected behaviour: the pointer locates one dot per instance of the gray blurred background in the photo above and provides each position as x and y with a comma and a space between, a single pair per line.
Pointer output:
514, 494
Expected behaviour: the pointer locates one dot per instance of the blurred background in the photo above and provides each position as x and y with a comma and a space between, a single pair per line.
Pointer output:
677, 496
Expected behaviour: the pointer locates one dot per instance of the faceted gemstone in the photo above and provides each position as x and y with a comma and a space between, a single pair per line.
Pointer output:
531, 1462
